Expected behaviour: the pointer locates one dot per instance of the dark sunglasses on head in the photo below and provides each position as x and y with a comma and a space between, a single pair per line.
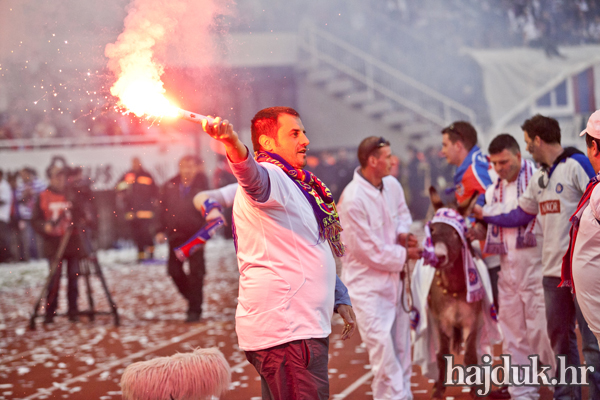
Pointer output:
382, 142
452, 129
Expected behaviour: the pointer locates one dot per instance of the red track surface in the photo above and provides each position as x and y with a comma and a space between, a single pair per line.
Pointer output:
85, 360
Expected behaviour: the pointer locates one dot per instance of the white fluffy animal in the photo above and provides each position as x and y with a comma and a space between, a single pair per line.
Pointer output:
198, 375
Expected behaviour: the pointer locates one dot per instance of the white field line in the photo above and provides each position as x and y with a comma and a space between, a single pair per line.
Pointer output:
7, 359
112, 364
354, 386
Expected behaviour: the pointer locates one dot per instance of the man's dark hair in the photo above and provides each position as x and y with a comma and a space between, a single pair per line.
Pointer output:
462, 131
265, 123
502, 142
545, 127
590, 139
30, 171
370, 146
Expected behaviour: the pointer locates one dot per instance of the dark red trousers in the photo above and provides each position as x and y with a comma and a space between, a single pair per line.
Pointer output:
293, 371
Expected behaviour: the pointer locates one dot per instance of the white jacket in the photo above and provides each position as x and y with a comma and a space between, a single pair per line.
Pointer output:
372, 220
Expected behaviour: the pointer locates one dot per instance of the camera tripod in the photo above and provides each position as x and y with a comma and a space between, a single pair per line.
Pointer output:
88, 266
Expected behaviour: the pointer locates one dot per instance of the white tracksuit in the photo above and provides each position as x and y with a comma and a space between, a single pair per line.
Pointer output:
521, 296
372, 219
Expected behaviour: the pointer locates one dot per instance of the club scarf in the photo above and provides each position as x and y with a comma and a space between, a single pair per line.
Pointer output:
494, 242
318, 196
475, 288
566, 272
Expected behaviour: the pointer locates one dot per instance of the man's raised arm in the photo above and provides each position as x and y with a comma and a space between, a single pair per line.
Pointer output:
253, 178
222, 131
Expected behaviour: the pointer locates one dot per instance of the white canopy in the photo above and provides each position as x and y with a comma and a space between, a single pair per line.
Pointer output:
515, 78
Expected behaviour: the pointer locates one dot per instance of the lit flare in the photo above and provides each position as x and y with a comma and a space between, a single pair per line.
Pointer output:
144, 97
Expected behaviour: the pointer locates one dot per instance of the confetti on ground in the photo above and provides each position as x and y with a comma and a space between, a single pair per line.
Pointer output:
85, 360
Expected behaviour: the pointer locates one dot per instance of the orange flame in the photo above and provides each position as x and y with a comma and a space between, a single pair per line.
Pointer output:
138, 86
143, 96
153, 30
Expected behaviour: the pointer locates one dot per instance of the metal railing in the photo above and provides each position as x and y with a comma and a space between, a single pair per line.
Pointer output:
319, 48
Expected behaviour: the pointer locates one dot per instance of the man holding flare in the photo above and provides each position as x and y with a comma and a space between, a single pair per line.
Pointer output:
287, 235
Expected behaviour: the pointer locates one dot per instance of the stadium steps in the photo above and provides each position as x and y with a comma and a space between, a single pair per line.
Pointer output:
377, 89
340, 86
378, 108
321, 75
359, 98
397, 118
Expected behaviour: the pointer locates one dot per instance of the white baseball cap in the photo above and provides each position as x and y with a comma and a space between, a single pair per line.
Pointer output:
593, 126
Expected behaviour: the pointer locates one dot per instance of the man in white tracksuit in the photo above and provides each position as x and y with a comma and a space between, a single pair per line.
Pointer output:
376, 220
552, 196
520, 290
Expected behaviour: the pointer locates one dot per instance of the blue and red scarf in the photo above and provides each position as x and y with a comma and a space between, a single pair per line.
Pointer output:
566, 273
318, 196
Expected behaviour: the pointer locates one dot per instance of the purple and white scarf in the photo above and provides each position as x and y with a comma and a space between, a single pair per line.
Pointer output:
494, 241
319, 197
475, 288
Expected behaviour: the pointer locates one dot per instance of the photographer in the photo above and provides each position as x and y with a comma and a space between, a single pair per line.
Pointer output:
53, 218
85, 213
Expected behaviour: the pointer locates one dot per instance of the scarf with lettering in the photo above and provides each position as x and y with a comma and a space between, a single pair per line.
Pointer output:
566, 273
494, 242
475, 288
318, 196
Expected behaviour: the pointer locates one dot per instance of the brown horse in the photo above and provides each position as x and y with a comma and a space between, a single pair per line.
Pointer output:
456, 320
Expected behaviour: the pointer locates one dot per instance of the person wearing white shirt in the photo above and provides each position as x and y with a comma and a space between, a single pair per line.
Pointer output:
287, 237
552, 195
376, 221
520, 290
585, 259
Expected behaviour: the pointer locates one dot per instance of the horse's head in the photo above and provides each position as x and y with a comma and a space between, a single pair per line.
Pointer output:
447, 242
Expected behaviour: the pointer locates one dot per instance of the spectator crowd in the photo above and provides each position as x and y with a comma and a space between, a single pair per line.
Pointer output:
21, 189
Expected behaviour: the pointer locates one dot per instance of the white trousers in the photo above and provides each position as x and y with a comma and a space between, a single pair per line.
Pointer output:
522, 318
385, 329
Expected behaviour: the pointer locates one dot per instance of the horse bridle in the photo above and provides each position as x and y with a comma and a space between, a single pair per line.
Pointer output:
405, 279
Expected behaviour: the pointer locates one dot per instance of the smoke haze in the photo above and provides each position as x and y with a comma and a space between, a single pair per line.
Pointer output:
52, 54
152, 28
